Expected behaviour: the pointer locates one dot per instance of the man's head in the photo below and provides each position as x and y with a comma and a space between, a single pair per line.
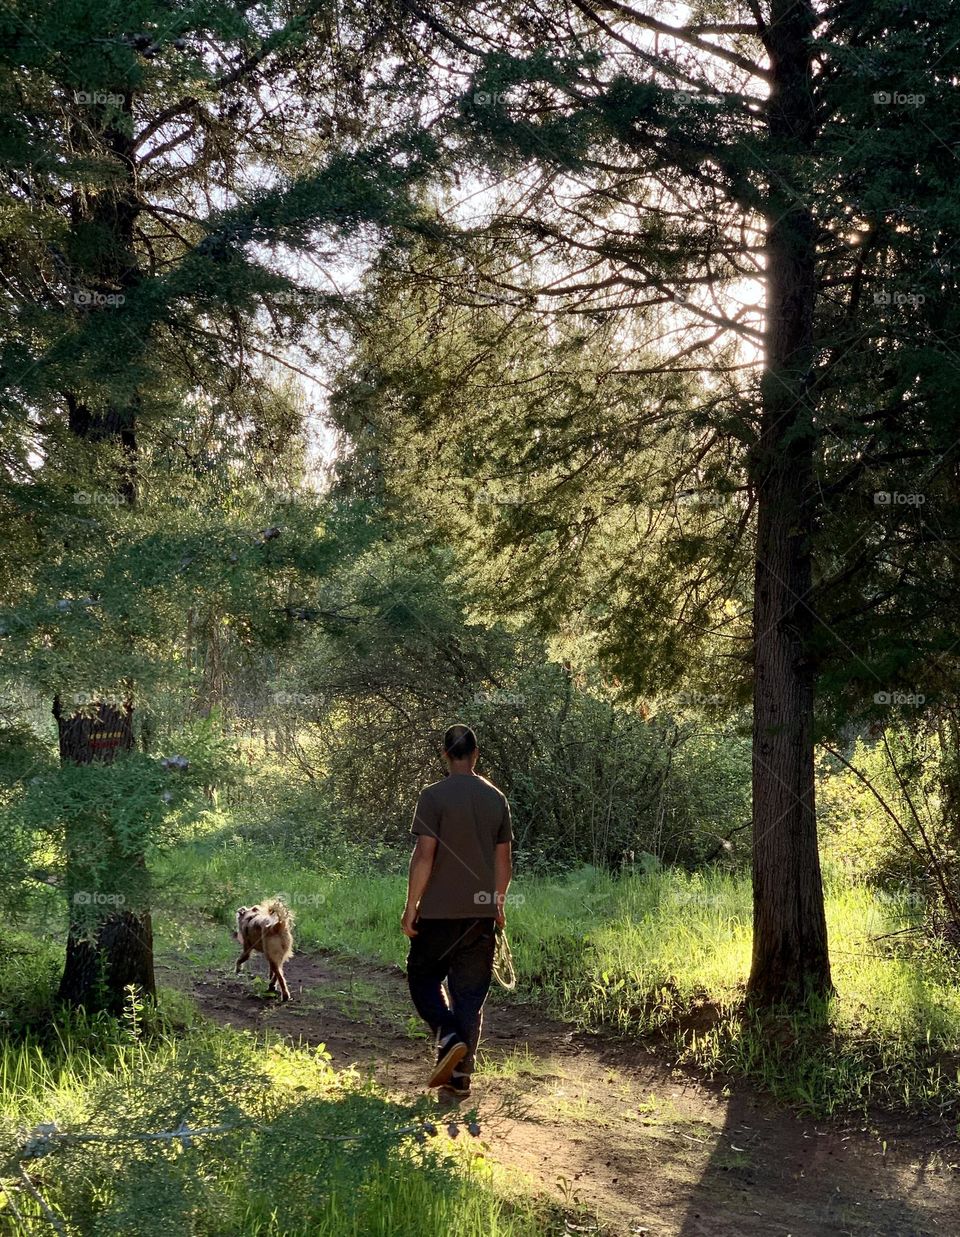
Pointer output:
460, 748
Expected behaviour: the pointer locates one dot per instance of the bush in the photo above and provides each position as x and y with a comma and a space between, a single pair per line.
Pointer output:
589, 781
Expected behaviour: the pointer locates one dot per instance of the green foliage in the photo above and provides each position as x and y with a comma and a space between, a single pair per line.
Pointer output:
108, 818
857, 835
306, 1150
136, 236
579, 483
153, 516
29, 963
140, 603
360, 708
889, 817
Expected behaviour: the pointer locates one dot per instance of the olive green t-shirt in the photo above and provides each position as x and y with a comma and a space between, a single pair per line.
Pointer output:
469, 817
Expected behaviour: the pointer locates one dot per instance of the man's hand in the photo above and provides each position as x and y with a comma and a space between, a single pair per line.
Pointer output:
503, 869
407, 921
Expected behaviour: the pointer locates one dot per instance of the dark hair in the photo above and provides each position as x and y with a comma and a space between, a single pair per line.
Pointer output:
459, 742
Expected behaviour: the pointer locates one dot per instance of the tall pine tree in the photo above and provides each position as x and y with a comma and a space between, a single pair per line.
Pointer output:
653, 172
166, 174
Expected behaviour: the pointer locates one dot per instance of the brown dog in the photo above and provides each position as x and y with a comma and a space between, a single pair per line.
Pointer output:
267, 928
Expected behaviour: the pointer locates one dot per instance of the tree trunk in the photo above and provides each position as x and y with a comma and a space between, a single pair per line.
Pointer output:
108, 948
790, 956
99, 969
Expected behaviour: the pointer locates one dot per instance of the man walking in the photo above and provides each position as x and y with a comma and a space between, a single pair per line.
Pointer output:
459, 874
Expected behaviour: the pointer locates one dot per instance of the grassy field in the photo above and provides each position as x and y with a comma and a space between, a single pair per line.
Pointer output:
660, 954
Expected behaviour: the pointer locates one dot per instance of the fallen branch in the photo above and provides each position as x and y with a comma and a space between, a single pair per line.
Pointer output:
44, 1138
44, 1205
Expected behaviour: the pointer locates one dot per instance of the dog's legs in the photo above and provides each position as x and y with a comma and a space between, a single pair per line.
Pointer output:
278, 981
275, 962
240, 961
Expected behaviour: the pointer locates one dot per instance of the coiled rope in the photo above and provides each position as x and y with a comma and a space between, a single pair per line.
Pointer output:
503, 971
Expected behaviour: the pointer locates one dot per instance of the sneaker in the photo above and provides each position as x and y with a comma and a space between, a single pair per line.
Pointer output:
458, 1087
449, 1055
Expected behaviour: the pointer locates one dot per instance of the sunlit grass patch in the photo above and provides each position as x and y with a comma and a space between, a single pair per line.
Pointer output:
518, 1064
296, 1147
666, 954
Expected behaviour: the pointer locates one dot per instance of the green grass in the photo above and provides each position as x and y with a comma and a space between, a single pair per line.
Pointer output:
309, 1150
660, 955
663, 955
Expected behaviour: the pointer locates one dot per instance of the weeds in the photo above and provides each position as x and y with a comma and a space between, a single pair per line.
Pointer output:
303, 1149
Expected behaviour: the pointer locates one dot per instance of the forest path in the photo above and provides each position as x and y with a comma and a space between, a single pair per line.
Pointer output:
600, 1121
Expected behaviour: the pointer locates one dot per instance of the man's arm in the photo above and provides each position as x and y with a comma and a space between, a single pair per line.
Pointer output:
421, 865
502, 874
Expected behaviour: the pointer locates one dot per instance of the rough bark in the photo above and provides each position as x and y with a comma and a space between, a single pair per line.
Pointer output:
790, 956
107, 949
99, 969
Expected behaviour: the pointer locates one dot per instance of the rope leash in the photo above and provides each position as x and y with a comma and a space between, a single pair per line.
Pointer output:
503, 970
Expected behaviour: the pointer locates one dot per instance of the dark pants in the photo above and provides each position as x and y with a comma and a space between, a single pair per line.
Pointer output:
459, 951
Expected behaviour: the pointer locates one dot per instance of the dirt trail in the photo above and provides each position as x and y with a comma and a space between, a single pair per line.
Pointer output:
594, 1120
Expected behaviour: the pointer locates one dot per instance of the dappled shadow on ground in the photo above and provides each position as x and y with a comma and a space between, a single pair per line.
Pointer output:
774, 1173
602, 1122
840, 1176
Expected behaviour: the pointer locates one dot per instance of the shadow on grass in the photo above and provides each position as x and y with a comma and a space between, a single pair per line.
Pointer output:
345, 1161
801, 1059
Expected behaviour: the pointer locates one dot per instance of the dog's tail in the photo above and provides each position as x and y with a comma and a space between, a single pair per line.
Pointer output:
277, 909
